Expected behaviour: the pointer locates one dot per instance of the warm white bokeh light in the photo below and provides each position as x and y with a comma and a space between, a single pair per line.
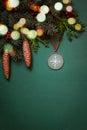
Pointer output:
3, 29
13, 3
58, 6
41, 17
44, 9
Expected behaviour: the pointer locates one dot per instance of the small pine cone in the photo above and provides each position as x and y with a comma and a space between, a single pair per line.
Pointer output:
6, 64
27, 53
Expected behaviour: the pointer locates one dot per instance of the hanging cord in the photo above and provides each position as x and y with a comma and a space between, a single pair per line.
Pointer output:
56, 46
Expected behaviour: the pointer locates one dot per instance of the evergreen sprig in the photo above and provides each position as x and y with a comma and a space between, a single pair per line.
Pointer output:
56, 23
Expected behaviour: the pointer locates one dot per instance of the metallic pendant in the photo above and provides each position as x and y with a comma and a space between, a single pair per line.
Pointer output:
55, 61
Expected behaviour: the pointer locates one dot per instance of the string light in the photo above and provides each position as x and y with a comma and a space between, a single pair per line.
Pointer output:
41, 17
12, 3
32, 34
3, 29
58, 6
66, 1
44, 9
24, 30
69, 8
71, 20
15, 35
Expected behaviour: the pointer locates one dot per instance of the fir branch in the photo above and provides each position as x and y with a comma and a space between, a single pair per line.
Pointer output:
42, 41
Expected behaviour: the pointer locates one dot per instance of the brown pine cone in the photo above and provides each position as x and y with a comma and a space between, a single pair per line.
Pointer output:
27, 53
6, 64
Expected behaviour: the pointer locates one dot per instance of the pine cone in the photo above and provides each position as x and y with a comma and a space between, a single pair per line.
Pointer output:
6, 64
27, 53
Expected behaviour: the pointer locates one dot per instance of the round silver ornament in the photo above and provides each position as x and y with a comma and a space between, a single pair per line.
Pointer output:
55, 61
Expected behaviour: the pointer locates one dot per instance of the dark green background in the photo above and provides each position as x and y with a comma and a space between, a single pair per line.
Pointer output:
43, 99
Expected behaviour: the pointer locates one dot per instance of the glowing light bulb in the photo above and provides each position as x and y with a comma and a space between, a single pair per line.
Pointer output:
40, 31
78, 27
32, 34
19, 24
41, 17
44, 9
15, 35
58, 6
71, 20
24, 30
69, 8
3, 29
13, 3
66, 1
8, 48
22, 21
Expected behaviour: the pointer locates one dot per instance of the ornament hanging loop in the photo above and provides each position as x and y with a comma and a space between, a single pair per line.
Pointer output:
56, 47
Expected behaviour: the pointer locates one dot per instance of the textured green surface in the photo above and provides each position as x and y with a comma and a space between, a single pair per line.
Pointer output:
43, 99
